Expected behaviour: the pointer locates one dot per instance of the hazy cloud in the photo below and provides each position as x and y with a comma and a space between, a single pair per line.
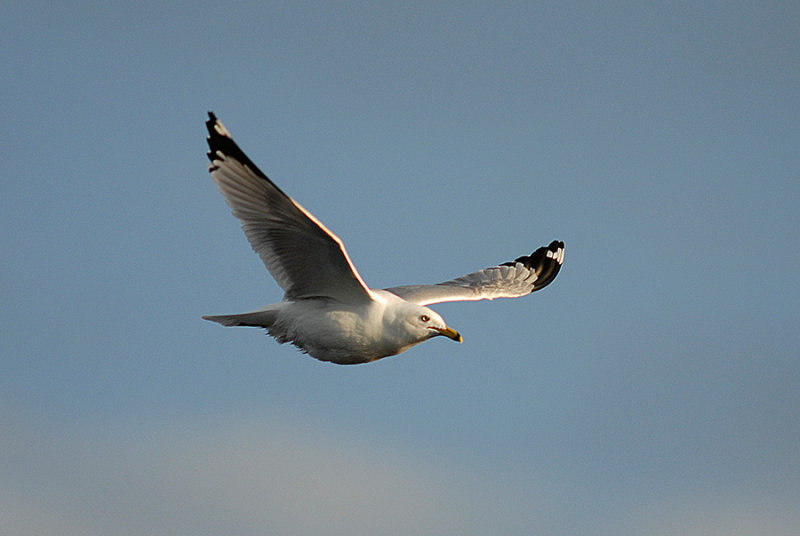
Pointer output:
247, 477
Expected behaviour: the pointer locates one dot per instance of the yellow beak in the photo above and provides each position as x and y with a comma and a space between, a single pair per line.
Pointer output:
450, 334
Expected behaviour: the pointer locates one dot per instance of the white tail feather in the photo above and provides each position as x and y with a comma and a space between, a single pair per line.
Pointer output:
257, 319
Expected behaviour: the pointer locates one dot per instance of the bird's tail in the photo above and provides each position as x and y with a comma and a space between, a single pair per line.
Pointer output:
261, 318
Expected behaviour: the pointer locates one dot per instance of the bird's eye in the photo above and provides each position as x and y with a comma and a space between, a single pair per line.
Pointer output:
425, 318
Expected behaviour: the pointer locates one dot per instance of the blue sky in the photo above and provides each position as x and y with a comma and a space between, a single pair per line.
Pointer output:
653, 388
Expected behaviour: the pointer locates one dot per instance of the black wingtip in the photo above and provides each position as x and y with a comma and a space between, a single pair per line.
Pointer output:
545, 262
217, 140
221, 144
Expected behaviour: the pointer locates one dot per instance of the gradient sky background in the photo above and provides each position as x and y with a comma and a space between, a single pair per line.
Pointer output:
652, 389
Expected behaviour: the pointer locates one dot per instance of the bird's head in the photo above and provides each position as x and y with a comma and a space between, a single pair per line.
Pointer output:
427, 323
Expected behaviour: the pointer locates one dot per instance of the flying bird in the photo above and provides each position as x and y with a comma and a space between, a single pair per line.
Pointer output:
327, 310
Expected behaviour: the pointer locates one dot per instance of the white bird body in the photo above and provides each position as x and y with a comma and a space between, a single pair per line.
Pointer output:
345, 334
328, 311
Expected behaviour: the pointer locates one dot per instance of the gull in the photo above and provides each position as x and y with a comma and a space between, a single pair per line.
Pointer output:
327, 310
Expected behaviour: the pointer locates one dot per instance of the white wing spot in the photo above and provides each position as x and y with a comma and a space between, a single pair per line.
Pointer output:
221, 130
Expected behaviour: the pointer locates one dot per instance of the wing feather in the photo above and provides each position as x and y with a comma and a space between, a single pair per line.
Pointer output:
305, 258
508, 280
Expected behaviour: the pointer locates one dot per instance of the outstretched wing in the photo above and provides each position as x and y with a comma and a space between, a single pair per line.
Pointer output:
508, 280
305, 258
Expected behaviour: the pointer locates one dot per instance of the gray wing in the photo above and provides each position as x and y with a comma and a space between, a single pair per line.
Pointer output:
508, 280
305, 258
